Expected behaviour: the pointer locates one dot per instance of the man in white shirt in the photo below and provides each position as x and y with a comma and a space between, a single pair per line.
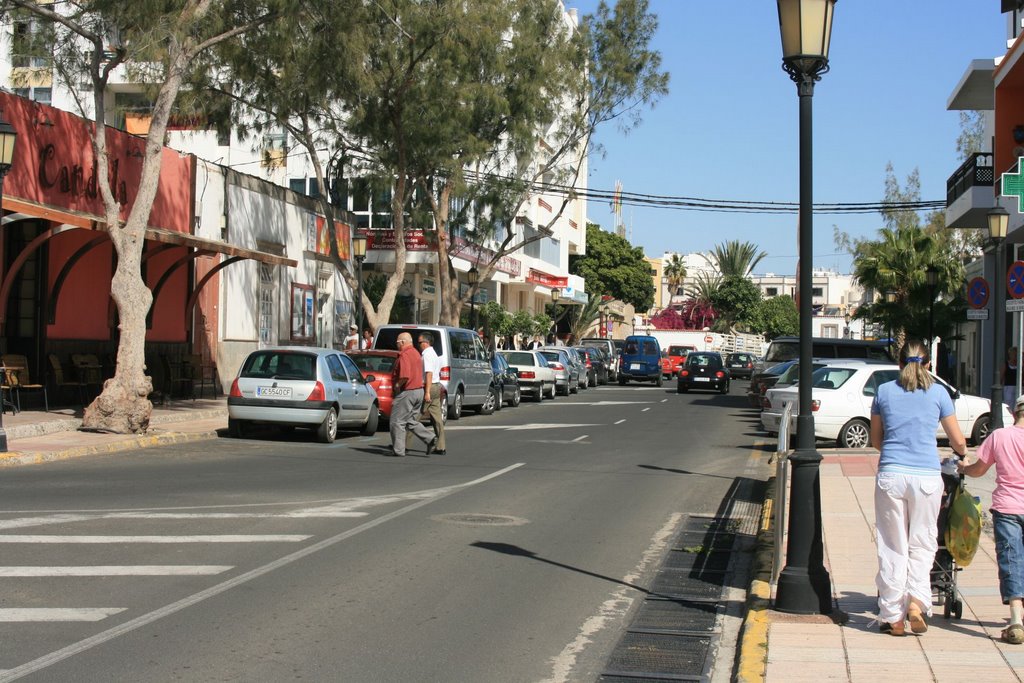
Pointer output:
432, 388
352, 340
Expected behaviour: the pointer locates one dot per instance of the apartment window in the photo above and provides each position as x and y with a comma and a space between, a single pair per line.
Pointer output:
267, 299
817, 291
303, 315
40, 95
830, 331
32, 43
297, 185
771, 291
275, 144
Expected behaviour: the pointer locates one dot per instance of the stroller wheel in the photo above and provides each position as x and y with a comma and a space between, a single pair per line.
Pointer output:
958, 609
947, 606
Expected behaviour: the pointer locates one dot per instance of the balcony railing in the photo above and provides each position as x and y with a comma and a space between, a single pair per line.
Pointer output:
975, 172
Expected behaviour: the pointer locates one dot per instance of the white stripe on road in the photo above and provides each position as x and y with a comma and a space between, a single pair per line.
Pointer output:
644, 410
117, 570
595, 403
664, 400
535, 425
213, 538
167, 610
621, 421
580, 438
15, 614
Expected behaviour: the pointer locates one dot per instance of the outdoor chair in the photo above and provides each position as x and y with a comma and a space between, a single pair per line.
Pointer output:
88, 370
60, 382
19, 379
176, 379
201, 375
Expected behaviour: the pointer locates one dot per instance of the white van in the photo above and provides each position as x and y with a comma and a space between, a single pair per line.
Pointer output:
465, 364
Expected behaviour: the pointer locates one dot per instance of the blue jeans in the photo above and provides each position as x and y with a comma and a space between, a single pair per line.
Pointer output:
1009, 532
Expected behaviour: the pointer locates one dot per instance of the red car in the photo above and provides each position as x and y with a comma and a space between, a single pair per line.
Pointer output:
674, 358
379, 363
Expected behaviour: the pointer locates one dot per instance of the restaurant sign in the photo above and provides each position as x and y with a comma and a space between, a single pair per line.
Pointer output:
539, 277
474, 253
415, 240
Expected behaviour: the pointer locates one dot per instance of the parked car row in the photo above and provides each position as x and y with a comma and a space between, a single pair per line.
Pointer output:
328, 390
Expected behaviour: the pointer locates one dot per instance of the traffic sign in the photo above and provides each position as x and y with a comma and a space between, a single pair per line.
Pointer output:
977, 292
979, 313
708, 339
1014, 305
1015, 280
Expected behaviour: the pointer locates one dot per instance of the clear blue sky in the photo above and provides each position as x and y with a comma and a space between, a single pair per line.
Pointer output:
729, 127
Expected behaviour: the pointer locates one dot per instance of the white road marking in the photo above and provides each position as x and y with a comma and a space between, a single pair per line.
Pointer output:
664, 400
614, 608
145, 619
621, 421
117, 570
14, 614
644, 410
580, 438
209, 538
595, 403
512, 428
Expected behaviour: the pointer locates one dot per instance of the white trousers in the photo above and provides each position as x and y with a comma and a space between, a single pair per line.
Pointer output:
906, 525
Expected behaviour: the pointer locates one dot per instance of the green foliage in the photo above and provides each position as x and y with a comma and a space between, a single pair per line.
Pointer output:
735, 258
522, 322
972, 134
614, 267
775, 317
675, 273
585, 316
541, 324
703, 289
736, 300
494, 318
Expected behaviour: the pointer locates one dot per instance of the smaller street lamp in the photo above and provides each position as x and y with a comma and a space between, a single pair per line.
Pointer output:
359, 254
556, 294
8, 136
890, 298
472, 277
998, 220
847, 318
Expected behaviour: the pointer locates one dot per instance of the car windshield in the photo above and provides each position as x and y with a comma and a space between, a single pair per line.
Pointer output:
678, 350
552, 355
831, 377
704, 360
368, 363
280, 365
520, 358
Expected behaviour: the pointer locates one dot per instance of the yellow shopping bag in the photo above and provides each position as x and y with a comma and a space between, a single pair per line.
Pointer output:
963, 526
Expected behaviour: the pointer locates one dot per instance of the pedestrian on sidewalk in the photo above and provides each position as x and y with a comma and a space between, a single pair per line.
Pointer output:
1004, 448
431, 390
407, 383
908, 489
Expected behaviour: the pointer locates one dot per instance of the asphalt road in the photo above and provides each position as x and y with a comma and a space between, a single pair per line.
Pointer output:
516, 557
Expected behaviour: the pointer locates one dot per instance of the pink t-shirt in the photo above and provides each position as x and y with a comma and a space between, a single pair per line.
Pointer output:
1005, 448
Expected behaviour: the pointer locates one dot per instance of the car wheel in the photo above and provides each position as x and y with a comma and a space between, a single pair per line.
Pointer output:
574, 389
660, 381
855, 434
491, 402
680, 389
981, 429
499, 398
328, 429
725, 388
237, 428
370, 426
553, 391
622, 381
517, 397
455, 410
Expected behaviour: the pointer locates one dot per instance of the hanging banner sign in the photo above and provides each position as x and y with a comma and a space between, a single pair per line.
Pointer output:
539, 277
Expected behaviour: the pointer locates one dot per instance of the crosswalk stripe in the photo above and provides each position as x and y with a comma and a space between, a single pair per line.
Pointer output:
116, 570
13, 614
212, 538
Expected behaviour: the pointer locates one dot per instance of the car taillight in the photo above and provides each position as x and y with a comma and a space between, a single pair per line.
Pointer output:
318, 393
384, 384
815, 404
765, 403
527, 374
556, 366
719, 374
684, 373
588, 364
750, 365
235, 391
446, 373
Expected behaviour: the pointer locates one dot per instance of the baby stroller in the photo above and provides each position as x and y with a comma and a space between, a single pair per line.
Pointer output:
944, 568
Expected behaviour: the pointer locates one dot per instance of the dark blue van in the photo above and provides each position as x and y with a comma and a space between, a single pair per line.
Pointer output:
640, 359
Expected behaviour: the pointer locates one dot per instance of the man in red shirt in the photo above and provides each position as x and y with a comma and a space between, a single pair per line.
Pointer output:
407, 380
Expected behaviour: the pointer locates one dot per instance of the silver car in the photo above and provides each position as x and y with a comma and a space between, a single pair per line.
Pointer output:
567, 375
301, 386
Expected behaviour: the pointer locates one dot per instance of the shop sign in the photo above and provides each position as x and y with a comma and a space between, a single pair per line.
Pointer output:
318, 237
428, 286
415, 240
539, 277
474, 253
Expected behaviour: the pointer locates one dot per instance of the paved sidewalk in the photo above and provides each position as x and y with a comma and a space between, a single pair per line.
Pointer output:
37, 436
815, 648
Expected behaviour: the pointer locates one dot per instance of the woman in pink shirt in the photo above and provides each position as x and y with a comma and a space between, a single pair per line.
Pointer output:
1004, 448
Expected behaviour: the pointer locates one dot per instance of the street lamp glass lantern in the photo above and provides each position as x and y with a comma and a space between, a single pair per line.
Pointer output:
998, 220
806, 28
8, 136
556, 294
890, 296
472, 275
931, 276
359, 247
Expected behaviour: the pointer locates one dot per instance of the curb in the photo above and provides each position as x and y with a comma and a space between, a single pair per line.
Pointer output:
753, 652
29, 458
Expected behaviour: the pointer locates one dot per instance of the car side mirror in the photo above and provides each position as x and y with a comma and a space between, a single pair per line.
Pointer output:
369, 379
514, 370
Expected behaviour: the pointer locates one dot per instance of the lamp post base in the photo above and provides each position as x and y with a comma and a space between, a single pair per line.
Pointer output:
3, 439
996, 419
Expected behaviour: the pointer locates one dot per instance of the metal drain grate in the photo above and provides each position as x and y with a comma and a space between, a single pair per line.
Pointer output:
707, 540
679, 614
716, 561
660, 654
683, 583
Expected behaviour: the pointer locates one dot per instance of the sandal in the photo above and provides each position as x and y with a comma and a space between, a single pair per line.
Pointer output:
1013, 634
894, 629
916, 619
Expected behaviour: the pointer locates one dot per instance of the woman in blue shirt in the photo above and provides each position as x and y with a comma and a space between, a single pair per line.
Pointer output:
905, 416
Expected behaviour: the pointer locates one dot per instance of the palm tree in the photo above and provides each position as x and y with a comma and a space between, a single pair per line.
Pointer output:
704, 287
737, 258
675, 273
588, 314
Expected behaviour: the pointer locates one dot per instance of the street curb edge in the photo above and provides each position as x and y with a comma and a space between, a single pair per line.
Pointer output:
753, 654
15, 458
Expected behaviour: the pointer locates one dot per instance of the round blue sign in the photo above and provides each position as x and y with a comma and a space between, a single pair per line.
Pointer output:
1015, 280
977, 293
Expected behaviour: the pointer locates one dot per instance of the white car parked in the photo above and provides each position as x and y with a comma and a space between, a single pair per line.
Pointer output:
535, 376
841, 397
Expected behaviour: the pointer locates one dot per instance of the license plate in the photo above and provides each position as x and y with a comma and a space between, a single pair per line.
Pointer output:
276, 392
701, 379
634, 366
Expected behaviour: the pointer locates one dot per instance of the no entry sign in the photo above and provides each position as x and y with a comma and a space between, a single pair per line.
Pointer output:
1015, 280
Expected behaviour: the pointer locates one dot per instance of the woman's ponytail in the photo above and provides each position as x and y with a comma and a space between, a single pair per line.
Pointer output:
914, 375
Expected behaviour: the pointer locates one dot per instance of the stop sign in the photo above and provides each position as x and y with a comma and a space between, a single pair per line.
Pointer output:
708, 339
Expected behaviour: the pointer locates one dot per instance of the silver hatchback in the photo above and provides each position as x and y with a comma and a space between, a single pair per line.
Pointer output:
300, 386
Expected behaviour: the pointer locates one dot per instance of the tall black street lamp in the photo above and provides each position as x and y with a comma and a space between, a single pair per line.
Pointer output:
931, 278
804, 584
472, 277
359, 254
8, 136
998, 219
